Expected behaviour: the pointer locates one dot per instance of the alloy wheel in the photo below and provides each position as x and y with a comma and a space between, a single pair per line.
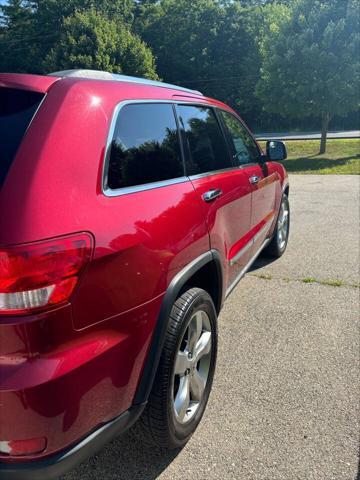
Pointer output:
283, 225
192, 365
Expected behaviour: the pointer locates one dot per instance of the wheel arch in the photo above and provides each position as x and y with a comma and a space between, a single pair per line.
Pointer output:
192, 275
286, 189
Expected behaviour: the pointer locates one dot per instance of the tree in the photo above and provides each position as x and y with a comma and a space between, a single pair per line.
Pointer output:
207, 45
90, 40
31, 28
311, 62
15, 25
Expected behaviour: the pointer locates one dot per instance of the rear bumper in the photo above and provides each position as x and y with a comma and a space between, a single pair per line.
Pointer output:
56, 465
58, 384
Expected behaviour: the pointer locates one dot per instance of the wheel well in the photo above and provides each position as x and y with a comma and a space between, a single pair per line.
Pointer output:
207, 278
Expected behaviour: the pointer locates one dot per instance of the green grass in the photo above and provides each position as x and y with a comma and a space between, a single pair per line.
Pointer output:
309, 280
264, 276
329, 282
332, 283
342, 157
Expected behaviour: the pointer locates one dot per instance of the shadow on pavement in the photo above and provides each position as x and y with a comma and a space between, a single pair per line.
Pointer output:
125, 458
315, 162
260, 262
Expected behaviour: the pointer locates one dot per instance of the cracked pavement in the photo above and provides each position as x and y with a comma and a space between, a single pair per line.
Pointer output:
285, 400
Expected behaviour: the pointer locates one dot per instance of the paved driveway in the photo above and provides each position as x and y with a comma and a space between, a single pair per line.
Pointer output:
285, 402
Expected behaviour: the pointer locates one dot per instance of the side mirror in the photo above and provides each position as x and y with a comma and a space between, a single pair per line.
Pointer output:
276, 150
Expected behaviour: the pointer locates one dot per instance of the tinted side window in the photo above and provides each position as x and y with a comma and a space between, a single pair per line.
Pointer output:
245, 148
145, 147
17, 107
207, 146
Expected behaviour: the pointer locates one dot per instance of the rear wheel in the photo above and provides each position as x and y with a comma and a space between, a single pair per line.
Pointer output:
184, 377
278, 244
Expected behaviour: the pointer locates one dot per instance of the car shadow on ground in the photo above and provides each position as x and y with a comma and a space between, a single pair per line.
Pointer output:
315, 162
125, 458
261, 261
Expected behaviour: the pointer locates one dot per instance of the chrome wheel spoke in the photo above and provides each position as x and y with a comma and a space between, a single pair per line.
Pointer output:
181, 363
182, 399
195, 329
197, 386
203, 346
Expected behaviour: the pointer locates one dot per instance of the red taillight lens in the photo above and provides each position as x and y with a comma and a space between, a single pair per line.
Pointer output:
42, 274
23, 447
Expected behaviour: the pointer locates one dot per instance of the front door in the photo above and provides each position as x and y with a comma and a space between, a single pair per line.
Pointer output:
263, 185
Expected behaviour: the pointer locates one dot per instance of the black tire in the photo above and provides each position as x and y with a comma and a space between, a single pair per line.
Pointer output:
158, 425
275, 248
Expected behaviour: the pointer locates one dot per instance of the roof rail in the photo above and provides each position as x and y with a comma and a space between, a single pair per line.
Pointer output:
100, 75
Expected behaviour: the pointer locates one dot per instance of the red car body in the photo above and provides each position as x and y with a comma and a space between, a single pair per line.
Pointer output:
86, 364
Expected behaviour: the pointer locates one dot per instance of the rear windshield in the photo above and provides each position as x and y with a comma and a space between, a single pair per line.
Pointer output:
17, 107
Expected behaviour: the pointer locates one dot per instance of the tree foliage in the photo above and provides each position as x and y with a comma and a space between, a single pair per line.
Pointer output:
206, 45
16, 25
311, 63
90, 40
33, 29
295, 58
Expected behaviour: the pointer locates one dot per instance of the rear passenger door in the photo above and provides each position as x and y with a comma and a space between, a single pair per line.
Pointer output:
223, 189
247, 156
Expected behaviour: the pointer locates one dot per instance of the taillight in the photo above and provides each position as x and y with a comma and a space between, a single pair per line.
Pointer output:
42, 274
22, 447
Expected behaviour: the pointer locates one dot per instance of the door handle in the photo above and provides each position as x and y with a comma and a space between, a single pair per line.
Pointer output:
254, 179
211, 195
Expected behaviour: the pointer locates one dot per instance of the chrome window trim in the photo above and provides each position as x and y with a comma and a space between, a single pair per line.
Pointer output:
145, 186
212, 172
223, 170
246, 165
109, 192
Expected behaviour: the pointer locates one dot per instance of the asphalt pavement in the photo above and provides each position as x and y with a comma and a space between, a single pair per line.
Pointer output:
285, 400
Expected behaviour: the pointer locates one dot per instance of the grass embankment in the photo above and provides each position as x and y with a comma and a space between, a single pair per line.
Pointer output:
342, 157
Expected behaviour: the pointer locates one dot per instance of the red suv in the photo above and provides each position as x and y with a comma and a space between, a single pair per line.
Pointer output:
129, 211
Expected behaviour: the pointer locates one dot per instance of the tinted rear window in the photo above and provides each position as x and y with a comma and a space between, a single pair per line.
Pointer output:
145, 147
206, 143
17, 107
